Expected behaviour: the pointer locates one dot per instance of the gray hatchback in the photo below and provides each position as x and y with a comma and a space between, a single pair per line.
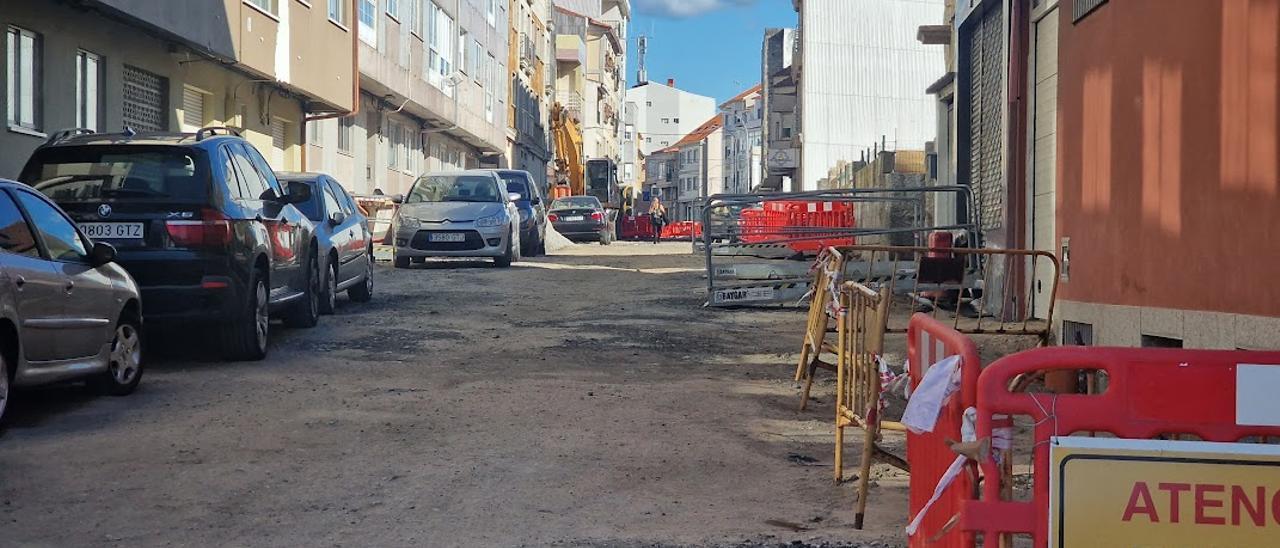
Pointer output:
67, 311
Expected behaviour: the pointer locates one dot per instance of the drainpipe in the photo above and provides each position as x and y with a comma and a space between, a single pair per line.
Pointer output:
355, 81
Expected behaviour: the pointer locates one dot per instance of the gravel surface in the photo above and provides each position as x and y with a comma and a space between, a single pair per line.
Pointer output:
582, 399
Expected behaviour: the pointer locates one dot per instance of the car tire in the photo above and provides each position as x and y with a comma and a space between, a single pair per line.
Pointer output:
363, 292
507, 257
5, 388
306, 314
517, 251
124, 370
541, 249
245, 338
329, 296
606, 237
402, 262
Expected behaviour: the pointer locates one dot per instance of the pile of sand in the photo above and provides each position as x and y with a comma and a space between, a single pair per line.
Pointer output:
556, 241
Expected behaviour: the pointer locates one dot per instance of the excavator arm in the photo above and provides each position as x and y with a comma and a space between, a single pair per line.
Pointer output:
568, 151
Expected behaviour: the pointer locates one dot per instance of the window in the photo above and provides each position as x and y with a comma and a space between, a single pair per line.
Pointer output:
1084, 8
315, 135
477, 61
491, 67
411, 153
348, 206
442, 44
253, 184
416, 15
330, 202
344, 133
648, 103
338, 11
61, 238
15, 235
666, 120
393, 144
234, 183
193, 112
268, 6
491, 12
369, 22
22, 70
279, 141
393, 8
465, 56
677, 120
88, 90
264, 170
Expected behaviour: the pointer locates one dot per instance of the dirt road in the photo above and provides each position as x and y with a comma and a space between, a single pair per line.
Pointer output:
583, 399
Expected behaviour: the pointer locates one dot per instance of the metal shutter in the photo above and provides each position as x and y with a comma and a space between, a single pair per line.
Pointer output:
277, 143
192, 108
146, 98
986, 111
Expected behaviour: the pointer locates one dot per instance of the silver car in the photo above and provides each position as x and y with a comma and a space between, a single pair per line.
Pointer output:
67, 311
463, 214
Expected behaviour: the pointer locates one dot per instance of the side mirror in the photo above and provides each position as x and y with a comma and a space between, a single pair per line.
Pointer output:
513, 196
337, 218
536, 201
397, 198
102, 254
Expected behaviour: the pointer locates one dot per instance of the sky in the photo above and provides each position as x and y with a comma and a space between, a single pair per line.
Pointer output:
710, 47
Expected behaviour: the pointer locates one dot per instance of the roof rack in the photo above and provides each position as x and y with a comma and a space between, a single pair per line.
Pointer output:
64, 134
213, 130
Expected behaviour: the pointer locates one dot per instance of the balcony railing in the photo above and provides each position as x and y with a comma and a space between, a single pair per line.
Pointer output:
572, 102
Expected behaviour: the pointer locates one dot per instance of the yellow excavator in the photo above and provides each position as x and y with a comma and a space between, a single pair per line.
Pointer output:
570, 179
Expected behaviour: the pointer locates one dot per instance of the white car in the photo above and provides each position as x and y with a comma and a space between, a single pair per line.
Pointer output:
462, 214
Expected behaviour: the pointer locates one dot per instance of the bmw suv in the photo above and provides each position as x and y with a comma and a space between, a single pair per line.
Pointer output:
199, 221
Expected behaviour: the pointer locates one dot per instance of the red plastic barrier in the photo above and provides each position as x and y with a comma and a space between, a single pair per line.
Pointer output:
682, 230
791, 220
639, 227
1149, 392
928, 342
753, 225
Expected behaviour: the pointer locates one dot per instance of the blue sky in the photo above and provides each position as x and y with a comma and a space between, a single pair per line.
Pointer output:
711, 47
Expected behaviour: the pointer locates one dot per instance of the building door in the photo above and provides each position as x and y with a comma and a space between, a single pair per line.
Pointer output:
1042, 179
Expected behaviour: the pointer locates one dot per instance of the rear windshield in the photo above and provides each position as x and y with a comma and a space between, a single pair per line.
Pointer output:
97, 173
577, 202
515, 184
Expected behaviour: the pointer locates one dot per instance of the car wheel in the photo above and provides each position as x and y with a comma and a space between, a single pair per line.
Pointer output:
329, 298
402, 262
606, 237
245, 338
507, 257
541, 248
306, 314
517, 250
363, 292
4, 386
124, 368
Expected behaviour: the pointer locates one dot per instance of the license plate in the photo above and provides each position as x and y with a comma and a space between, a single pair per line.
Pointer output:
115, 231
447, 237
574, 218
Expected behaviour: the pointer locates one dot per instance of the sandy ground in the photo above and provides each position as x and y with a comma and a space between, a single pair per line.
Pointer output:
582, 399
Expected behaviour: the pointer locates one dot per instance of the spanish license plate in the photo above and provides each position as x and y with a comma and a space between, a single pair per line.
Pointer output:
446, 237
574, 219
113, 231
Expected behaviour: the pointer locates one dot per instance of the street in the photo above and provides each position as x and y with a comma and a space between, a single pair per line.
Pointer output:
581, 399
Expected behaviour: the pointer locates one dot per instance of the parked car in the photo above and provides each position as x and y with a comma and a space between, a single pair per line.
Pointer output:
344, 239
200, 222
67, 311
463, 214
581, 218
533, 211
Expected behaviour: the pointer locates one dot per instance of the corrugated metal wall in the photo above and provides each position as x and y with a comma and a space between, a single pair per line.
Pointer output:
864, 78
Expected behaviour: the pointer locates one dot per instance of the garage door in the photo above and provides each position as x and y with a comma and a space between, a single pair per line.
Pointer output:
1044, 156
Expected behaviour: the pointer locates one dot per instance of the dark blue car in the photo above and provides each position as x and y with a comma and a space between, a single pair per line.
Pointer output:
533, 211
344, 239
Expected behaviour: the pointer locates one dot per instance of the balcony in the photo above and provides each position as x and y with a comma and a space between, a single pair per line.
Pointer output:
527, 52
572, 102
571, 49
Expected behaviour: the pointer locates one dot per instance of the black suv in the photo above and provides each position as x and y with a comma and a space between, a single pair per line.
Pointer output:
199, 220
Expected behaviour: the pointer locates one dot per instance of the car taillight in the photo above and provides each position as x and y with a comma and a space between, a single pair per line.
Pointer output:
597, 216
212, 230
553, 217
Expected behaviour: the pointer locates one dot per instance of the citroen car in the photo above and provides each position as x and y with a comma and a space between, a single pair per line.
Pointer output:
462, 214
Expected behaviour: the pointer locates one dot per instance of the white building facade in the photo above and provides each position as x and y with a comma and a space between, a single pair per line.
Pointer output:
862, 76
664, 114
700, 168
742, 141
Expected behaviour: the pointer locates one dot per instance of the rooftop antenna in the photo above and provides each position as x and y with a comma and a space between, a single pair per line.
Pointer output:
642, 48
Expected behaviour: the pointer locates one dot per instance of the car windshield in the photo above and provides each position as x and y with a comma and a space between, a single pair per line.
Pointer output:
454, 188
577, 202
515, 184
79, 174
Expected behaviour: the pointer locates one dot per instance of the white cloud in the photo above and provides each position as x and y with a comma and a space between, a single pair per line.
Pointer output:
685, 8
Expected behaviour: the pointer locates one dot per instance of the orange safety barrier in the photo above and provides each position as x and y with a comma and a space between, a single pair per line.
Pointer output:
683, 230
929, 455
753, 225
1149, 393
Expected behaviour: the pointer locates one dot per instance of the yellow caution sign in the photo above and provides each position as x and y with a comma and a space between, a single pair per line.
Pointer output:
1107, 492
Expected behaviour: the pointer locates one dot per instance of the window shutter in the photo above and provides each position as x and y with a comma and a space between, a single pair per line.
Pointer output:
192, 108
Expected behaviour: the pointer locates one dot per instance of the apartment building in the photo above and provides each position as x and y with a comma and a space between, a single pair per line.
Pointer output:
661, 174
665, 114
591, 58
433, 95
265, 66
531, 87
743, 148
779, 137
861, 75
700, 171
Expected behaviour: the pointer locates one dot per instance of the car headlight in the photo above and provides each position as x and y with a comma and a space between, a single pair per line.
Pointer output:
493, 220
409, 223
